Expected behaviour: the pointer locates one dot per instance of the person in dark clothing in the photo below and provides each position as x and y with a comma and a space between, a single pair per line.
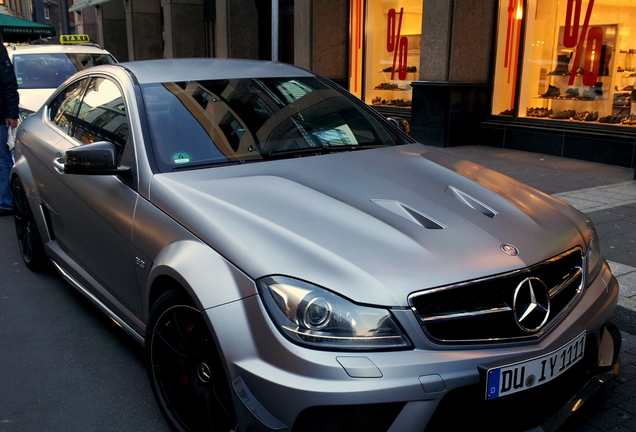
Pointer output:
9, 100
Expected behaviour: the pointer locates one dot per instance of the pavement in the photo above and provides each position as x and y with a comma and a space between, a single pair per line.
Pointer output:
607, 195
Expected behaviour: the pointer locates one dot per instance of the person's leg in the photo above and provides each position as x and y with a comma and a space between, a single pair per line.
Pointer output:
6, 162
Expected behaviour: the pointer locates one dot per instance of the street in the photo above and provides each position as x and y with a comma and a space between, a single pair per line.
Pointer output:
64, 366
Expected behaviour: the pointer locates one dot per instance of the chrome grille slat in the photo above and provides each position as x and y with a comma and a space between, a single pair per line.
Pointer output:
556, 290
460, 315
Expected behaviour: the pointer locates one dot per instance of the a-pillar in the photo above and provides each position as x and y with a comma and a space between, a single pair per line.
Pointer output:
143, 29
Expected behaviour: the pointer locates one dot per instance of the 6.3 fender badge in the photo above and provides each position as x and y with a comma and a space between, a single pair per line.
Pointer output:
509, 249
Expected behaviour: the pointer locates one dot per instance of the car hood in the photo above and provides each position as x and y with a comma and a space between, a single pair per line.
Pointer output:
32, 99
373, 225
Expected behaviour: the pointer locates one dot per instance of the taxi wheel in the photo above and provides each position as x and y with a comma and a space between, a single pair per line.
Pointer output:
185, 369
29, 239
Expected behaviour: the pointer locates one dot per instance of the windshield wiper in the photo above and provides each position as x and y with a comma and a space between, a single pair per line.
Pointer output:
325, 149
213, 164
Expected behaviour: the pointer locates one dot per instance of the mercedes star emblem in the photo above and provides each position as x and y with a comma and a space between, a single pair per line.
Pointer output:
509, 249
531, 304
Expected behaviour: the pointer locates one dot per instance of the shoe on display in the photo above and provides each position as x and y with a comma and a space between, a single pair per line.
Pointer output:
552, 92
573, 92
580, 116
563, 63
543, 112
594, 92
563, 115
590, 117
610, 119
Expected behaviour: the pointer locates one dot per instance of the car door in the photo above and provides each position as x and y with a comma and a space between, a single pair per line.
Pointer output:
91, 215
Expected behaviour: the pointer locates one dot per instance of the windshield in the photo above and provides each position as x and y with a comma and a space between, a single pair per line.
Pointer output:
241, 120
49, 70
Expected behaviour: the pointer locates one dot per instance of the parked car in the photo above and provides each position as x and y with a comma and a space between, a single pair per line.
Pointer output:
292, 261
40, 69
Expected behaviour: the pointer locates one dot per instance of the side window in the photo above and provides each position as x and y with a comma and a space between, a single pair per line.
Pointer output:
63, 109
102, 115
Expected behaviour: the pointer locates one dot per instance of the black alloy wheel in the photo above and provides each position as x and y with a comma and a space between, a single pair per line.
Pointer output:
186, 372
29, 239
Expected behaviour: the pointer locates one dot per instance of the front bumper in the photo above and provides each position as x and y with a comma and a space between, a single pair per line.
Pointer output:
281, 386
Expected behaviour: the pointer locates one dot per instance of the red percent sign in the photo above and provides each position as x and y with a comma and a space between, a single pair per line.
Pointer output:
575, 37
396, 44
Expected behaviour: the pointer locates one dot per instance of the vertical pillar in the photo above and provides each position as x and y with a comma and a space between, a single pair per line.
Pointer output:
249, 30
222, 30
303, 25
111, 28
275, 30
184, 30
86, 23
453, 93
143, 27
330, 40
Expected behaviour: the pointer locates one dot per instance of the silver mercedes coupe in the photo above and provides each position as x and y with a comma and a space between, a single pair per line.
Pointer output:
292, 261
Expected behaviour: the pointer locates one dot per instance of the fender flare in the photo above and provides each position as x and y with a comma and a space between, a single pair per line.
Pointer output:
207, 277
22, 170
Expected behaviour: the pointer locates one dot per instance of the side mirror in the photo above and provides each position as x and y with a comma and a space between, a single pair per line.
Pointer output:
401, 124
98, 158
394, 122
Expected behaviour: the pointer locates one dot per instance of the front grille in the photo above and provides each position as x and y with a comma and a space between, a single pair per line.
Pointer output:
482, 310
348, 418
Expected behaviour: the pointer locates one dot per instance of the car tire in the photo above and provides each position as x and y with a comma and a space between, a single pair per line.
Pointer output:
29, 240
185, 369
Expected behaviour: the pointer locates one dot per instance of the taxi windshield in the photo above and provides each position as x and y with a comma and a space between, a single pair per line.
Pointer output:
49, 70
216, 122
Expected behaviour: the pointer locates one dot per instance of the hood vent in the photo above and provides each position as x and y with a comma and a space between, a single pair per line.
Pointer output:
409, 213
471, 202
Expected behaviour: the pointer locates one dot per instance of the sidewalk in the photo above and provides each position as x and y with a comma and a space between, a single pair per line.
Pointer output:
605, 193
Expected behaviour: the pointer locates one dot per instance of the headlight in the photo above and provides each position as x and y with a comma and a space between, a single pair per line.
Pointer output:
316, 318
23, 113
593, 257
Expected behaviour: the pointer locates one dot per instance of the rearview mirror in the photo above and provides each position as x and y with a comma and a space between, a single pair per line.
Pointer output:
98, 158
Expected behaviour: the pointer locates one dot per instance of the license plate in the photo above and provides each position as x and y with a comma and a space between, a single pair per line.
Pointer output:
531, 373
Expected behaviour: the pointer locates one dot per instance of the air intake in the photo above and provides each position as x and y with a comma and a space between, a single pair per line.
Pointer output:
471, 202
409, 213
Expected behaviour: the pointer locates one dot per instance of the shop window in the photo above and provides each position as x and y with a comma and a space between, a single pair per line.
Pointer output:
385, 50
579, 61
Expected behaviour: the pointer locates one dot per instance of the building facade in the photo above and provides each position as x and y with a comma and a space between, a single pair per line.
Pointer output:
551, 76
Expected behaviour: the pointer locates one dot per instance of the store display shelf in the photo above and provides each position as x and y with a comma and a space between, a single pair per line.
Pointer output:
573, 99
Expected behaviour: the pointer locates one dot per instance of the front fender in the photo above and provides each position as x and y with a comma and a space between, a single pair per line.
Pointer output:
22, 170
208, 278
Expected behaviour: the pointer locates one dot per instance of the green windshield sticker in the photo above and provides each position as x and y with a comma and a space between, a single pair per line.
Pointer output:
180, 158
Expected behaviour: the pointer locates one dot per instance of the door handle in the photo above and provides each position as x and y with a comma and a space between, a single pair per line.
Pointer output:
58, 163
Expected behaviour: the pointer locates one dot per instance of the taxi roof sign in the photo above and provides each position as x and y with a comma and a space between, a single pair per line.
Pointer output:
71, 39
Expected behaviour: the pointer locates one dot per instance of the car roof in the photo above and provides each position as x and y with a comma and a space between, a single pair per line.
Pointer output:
55, 48
196, 69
